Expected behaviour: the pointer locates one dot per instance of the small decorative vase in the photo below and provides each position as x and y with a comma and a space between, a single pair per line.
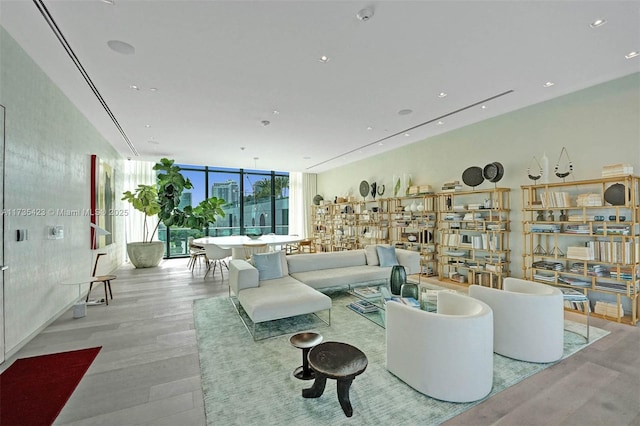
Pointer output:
414, 207
409, 290
397, 279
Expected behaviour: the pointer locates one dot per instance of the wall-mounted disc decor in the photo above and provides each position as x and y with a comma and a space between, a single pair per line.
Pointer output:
364, 188
493, 172
472, 176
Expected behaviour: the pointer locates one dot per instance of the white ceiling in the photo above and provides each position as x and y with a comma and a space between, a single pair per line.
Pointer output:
222, 67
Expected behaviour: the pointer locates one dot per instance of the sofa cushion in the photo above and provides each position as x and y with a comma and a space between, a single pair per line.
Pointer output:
269, 265
281, 298
371, 252
336, 277
315, 261
387, 256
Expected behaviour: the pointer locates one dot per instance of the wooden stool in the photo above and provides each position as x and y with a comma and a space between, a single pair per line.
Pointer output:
106, 280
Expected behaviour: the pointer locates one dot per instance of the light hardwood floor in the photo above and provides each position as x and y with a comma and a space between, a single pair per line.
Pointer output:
148, 373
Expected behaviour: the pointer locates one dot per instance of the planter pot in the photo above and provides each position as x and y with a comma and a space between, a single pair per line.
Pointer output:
145, 255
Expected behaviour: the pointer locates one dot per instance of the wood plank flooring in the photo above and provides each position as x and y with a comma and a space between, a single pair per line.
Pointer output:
148, 372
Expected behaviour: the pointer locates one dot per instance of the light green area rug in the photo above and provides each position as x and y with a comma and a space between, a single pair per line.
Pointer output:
251, 383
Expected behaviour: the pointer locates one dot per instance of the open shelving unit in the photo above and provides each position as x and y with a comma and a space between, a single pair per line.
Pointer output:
473, 231
574, 237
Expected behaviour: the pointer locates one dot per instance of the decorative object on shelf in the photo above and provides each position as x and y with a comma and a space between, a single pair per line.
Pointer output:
397, 279
414, 206
317, 199
396, 185
544, 167
493, 172
420, 207
374, 187
408, 183
427, 237
381, 190
563, 216
614, 194
364, 188
409, 290
472, 176
550, 217
569, 170
539, 175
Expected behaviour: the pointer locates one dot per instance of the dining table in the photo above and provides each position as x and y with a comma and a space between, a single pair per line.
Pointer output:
237, 242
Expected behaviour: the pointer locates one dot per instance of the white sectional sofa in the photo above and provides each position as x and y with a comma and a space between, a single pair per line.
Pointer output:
288, 286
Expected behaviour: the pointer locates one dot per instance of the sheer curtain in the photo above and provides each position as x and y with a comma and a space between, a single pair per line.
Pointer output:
302, 189
137, 173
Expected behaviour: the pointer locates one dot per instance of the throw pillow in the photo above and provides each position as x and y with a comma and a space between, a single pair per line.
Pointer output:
269, 265
387, 256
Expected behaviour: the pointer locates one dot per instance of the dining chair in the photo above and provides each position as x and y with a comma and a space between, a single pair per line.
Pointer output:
251, 249
216, 256
104, 279
196, 254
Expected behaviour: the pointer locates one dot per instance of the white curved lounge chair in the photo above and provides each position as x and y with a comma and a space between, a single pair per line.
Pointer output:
446, 355
528, 319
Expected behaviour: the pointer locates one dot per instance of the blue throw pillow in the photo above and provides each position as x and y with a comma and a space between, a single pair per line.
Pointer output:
269, 265
387, 256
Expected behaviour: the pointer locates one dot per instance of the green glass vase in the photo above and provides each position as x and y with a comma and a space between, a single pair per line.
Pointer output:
409, 290
397, 279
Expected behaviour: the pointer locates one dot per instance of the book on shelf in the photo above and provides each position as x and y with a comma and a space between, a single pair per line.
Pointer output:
368, 292
572, 294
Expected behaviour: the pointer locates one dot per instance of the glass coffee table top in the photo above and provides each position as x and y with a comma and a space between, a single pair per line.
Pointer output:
370, 301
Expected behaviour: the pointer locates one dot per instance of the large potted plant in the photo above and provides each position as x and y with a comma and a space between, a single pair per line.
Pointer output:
163, 200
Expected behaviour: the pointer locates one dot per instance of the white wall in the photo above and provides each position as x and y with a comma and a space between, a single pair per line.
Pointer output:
598, 126
47, 167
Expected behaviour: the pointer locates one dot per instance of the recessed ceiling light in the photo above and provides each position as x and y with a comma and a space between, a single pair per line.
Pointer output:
276, 112
405, 111
380, 143
134, 87
483, 107
324, 59
440, 123
597, 23
365, 14
111, 2
265, 122
632, 54
442, 95
153, 89
407, 134
152, 142
121, 47
369, 128
549, 84
147, 125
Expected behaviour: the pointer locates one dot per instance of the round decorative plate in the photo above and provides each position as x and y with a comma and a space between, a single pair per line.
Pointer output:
317, 199
614, 194
364, 188
472, 176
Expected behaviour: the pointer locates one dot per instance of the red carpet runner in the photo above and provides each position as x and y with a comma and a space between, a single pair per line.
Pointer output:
34, 390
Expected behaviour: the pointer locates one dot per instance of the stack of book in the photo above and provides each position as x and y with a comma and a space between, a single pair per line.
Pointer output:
549, 266
451, 186
577, 229
544, 228
589, 200
617, 170
363, 306
609, 309
368, 292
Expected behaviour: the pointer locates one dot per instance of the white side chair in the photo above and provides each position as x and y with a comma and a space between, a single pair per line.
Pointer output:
528, 319
216, 256
251, 249
448, 354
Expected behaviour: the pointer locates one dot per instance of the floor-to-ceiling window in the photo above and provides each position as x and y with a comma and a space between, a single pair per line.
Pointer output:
256, 201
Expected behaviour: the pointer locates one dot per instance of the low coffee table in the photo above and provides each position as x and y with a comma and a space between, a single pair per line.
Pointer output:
305, 341
339, 361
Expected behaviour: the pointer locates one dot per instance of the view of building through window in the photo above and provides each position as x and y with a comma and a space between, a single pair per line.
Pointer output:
256, 201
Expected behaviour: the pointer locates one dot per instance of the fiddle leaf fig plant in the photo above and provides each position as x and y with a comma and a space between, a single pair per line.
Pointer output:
163, 200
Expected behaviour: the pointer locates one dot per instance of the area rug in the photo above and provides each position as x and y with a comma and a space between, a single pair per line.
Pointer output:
247, 382
34, 390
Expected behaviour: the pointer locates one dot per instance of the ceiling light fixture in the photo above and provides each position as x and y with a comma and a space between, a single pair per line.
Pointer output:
597, 23
324, 59
153, 89
369, 128
549, 84
121, 47
276, 112
147, 125
380, 143
442, 95
405, 111
440, 123
265, 122
632, 55
407, 134
483, 107
110, 2
134, 87
365, 14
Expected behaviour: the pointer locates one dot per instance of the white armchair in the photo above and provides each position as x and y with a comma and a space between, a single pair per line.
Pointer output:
446, 355
528, 319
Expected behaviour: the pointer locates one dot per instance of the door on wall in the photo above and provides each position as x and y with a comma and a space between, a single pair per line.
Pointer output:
2, 265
